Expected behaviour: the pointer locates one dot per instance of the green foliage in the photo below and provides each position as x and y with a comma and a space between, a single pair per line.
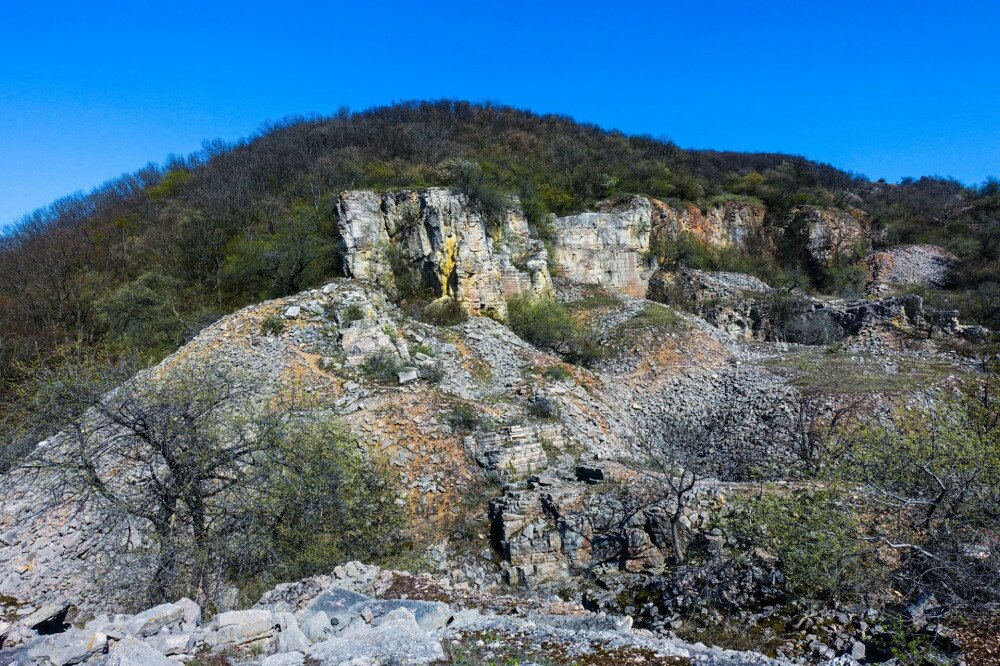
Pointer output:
557, 373
813, 536
536, 210
54, 395
335, 504
382, 366
272, 325
170, 184
684, 250
239, 493
934, 475
482, 188
421, 348
548, 324
145, 312
351, 313
465, 418
297, 254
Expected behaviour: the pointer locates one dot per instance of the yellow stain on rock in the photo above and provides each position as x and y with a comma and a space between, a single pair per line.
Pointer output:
449, 262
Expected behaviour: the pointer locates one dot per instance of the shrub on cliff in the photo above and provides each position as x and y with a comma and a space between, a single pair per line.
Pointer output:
382, 366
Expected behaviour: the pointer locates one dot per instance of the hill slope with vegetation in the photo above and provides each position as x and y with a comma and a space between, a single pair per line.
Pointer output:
149, 258
713, 394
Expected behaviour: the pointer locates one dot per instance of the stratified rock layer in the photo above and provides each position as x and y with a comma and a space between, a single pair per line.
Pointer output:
457, 250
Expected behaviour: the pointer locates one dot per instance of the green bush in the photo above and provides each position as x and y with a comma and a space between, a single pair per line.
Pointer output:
272, 325
144, 312
815, 539
482, 188
547, 324
543, 408
351, 313
464, 418
239, 494
297, 254
335, 502
421, 348
685, 250
382, 366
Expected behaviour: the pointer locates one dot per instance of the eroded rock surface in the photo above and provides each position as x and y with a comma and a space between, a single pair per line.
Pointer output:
832, 233
910, 265
730, 223
607, 247
460, 252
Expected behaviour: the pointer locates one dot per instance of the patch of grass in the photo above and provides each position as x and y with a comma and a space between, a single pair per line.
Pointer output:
421, 348
557, 373
351, 314
272, 325
656, 317
654, 322
838, 372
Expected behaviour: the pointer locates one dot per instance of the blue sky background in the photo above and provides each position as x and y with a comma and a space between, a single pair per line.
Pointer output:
884, 88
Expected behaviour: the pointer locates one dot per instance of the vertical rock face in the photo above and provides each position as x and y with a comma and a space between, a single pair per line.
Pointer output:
458, 251
727, 224
924, 265
610, 247
607, 247
832, 232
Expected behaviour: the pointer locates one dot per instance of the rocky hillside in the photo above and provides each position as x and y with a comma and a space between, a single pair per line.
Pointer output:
600, 511
147, 260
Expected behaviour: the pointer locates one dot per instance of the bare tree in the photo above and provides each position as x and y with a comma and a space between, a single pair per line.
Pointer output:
816, 428
195, 482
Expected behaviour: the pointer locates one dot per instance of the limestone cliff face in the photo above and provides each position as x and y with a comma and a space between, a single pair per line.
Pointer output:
727, 224
832, 232
453, 245
610, 247
607, 247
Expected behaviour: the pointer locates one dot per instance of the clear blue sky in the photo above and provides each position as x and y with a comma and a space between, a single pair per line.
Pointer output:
89, 90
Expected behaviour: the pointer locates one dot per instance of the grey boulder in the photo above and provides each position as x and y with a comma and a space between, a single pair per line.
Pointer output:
133, 652
395, 638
